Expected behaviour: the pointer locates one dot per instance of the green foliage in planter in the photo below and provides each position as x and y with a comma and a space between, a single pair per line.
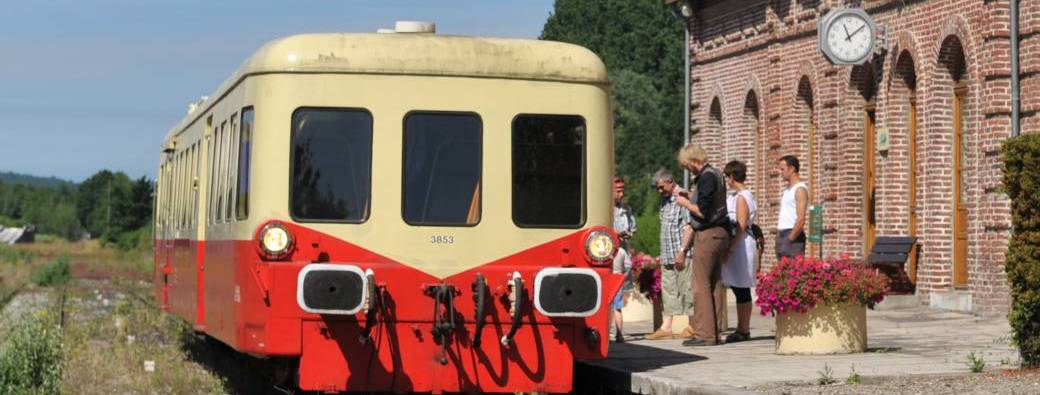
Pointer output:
1022, 184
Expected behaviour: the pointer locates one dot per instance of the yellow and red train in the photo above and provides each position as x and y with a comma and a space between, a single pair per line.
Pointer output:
397, 212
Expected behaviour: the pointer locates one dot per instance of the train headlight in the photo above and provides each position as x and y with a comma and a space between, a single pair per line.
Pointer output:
275, 240
599, 246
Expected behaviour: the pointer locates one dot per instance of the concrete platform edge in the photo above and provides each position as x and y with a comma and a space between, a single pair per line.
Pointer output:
614, 380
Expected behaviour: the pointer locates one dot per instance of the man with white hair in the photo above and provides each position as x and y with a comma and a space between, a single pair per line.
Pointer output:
676, 234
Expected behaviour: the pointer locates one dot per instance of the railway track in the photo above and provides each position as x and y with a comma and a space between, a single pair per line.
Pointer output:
242, 373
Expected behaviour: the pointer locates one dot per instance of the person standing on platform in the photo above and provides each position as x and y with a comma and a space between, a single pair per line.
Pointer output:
676, 235
625, 226
794, 202
740, 269
712, 238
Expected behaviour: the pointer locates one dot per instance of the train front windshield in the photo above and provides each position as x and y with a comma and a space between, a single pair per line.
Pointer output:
331, 159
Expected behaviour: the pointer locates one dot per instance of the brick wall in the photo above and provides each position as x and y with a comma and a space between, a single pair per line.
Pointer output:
760, 87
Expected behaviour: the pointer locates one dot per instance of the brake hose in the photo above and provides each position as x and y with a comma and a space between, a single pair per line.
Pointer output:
518, 297
374, 299
479, 297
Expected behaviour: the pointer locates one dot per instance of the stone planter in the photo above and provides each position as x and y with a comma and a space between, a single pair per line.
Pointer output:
826, 329
637, 307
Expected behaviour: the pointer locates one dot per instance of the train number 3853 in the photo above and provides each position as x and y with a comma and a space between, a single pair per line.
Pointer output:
442, 239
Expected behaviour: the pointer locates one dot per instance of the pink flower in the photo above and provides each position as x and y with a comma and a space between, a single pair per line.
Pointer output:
800, 284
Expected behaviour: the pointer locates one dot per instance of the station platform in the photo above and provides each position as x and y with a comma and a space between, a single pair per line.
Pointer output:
906, 340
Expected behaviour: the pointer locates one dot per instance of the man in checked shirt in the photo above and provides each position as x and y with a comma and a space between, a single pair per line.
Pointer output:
676, 232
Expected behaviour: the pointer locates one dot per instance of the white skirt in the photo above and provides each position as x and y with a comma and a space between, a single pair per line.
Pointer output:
739, 270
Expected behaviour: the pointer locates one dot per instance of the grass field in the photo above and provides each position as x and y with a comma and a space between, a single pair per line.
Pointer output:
109, 337
118, 342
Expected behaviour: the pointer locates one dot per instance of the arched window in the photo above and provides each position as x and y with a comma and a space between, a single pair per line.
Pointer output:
952, 82
806, 123
753, 129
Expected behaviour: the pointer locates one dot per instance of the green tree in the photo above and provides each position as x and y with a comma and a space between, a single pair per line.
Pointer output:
642, 47
50, 208
1022, 184
94, 194
640, 150
110, 205
648, 236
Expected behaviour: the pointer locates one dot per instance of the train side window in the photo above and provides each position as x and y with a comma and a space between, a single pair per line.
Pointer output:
172, 211
178, 177
214, 172
193, 185
171, 215
184, 188
221, 172
232, 161
180, 189
210, 160
244, 152
168, 207
548, 170
331, 165
160, 188
166, 196
442, 169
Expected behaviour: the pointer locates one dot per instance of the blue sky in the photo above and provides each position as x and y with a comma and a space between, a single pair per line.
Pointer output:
91, 85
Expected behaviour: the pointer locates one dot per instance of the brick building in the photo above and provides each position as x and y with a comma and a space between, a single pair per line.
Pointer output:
760, 89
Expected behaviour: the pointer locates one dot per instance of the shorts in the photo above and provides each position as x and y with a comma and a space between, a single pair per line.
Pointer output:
676, 294
619, 300
787, 248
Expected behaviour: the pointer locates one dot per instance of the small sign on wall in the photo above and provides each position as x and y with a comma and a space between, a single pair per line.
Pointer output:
882, 139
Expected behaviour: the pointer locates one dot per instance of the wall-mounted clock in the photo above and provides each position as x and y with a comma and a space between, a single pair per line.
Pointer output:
847, 36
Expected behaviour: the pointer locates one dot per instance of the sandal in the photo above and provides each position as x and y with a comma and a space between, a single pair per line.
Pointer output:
736, 337
687, 333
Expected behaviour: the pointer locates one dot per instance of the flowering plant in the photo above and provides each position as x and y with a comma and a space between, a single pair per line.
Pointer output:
798, 285
646, 276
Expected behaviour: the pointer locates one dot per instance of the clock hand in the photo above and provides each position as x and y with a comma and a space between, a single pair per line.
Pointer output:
848, 37
857, 30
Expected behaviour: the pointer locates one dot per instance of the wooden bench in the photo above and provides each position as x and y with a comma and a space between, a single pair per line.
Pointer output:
889, 256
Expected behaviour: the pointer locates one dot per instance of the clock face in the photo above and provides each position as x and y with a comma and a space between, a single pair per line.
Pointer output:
846, 36
850, 38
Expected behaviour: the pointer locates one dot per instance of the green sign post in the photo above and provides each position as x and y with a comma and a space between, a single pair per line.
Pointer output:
816, 227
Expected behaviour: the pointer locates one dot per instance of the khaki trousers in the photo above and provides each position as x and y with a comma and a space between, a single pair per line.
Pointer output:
709, 254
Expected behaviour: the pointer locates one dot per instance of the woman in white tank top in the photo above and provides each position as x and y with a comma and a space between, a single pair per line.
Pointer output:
740, 269
739, 272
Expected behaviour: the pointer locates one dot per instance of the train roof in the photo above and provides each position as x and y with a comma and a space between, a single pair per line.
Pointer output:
414, 54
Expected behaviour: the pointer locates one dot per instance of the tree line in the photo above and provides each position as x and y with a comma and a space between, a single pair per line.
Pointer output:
109, 206
641, 44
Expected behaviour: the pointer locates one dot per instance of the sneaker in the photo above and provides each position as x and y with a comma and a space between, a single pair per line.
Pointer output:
659, 335
619, 338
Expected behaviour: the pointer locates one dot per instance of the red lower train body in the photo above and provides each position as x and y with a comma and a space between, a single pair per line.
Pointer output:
419, 335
